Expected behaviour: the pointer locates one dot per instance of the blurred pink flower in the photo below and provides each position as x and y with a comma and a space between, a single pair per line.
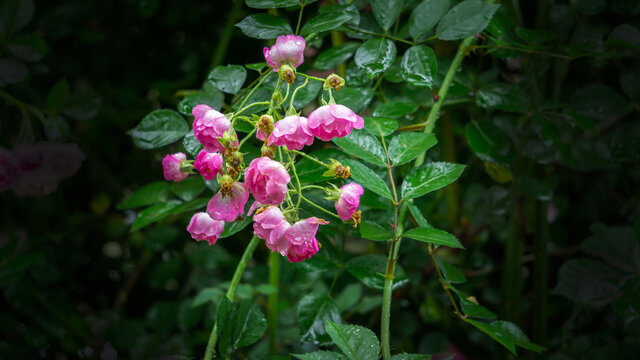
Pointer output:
287, 49
349, 200
203, 227
329, 121
267, 180
270, 225
291, 131
208, 164
171, 166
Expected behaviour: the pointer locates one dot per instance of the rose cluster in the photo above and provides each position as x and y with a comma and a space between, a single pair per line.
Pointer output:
266, 179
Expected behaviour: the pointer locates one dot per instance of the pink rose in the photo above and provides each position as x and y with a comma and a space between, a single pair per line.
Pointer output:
291, 131
171, 166
287, 49
208, 164
267, 180
329, 121
302, 239
261, 135
9, 169
203, 227
349, 200
227, 204
270, 225
208, 126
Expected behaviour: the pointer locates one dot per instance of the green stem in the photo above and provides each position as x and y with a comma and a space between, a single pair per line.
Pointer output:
541, 276
272, 302
300, 17
293, 96
223, 40
249, 135
231, 292
310, 158
320, 208
295, 176
262, 78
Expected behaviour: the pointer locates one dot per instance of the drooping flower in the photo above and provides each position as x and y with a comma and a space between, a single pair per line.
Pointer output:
287, 49
302, 239
9, 169
203, 227
208, 164
229, 202
291, 131
349, 200
271, 225
267, 180
172, 167
208, 126
329, 121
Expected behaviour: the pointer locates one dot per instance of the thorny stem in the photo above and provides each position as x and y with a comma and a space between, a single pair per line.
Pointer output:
231, 292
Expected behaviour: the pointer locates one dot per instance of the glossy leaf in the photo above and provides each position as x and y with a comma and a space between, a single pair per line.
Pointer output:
314, 310
320, 355
375, 56
368, 178
588, 282
188, 188
507, 334
405, 147
380, 125
451, 273
325, 21
268, 4
356, 342
370, 269
429, 177
149, 194
488, 142
503, 96
308, 171
599, 102
159, 128
363, 146
417, 215
419, 66
228, 78
411, 357
466, 19
264, 26
213, 99
386, 11
394, 109
240, 324
433, 236
356, 99
190, 206
372, 231
470, 306
191, 144
153, 213
330, 58
426, 15
230, 228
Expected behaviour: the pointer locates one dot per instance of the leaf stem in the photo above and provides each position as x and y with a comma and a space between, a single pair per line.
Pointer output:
272, 302
231, 292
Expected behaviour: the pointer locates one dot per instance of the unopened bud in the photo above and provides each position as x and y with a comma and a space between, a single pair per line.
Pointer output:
268, 151
277, 96
333, 81
287, 73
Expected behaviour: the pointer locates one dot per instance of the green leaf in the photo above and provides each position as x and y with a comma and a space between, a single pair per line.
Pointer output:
191, 144
188, 188
407, 146
213, 99
240, 324
466, 19
417, 215
268, 4
308, 171
378, 126
153, 213
349, 296
624, 35
433, 236
331, 57
426, 15
351, 10
264, 26
618, 246
488, 142
429, 177
386, 12
372, 231
370, 270
535, 36
366, 177
146, 195
304, 95
394, 109
451, 273
15, 14
206, 295
320, 355
470, 306
356, 342
356, 99
28, 47
375, 56
588, 282
231, 228
325, 21
419, 66
159, 128
228, 78
411, 357
313, 310
630, 83
190, 206
57, 96
503, 96
507, 334
363, 146
599, 102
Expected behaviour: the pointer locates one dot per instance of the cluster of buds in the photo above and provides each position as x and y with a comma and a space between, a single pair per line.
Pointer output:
265, 179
